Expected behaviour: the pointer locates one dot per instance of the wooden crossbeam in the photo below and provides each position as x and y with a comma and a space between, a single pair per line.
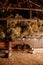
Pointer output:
35, 4
40, 10
32, 9
18, 19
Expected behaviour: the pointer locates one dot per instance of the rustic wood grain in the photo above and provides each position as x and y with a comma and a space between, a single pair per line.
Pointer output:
20, 58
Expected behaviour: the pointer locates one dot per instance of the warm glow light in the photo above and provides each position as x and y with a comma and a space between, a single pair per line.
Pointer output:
35, 39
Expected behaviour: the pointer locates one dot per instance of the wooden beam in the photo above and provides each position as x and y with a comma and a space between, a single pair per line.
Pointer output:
32, 9
35, 4
30, 14
40, 10
9, 19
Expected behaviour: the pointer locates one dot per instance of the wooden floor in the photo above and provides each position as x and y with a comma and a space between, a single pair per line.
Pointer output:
20, 58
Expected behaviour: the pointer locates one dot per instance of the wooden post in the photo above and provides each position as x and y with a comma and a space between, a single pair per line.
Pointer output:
30, 10
9, 50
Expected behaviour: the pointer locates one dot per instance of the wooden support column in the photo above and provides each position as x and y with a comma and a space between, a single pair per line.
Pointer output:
10, 49
30, 10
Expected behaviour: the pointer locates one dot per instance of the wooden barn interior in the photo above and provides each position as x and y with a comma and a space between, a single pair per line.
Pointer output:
21, 30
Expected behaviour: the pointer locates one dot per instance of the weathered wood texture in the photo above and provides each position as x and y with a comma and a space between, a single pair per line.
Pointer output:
3, 45
19, 58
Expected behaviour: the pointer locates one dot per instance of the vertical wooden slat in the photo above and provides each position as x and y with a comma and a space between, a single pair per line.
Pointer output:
9, 50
